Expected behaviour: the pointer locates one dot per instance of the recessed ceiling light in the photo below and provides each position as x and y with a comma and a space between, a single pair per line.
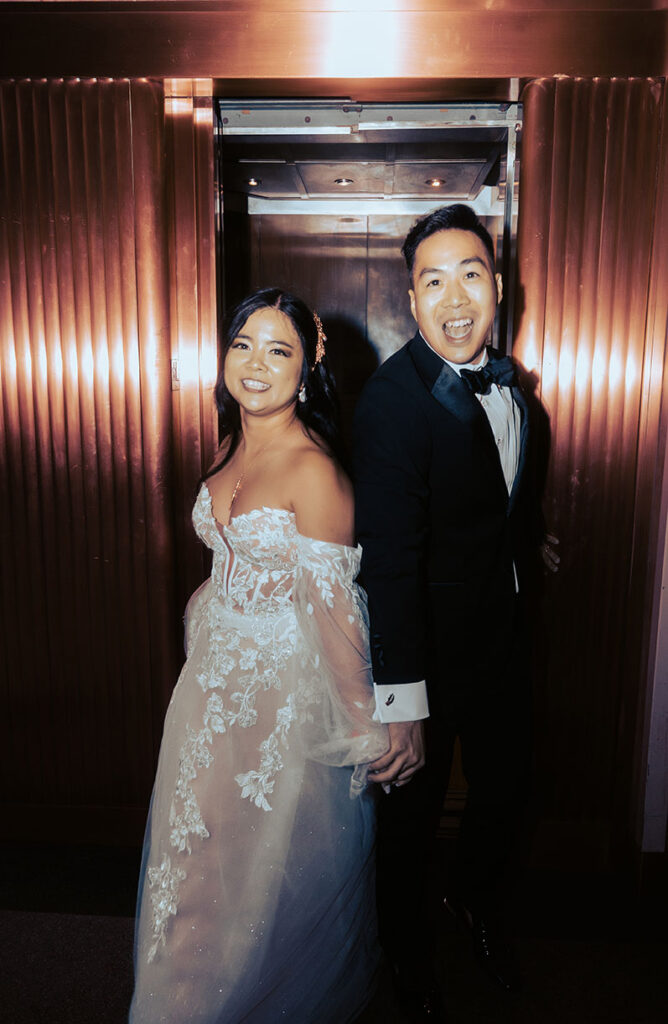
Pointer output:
253, 182
343, 181
434, 182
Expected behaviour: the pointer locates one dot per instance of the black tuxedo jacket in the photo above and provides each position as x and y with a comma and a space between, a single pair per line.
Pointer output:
439, 531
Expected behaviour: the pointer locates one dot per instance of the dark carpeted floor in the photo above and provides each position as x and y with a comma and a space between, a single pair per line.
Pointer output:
66, 933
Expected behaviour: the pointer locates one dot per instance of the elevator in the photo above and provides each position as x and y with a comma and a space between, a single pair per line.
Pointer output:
316, 197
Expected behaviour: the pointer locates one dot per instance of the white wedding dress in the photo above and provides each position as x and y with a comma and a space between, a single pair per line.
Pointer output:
256, 901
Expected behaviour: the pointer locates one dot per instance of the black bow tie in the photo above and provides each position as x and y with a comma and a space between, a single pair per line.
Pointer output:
495, 371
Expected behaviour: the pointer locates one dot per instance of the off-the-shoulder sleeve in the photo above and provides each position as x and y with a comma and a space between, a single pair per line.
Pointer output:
331, 612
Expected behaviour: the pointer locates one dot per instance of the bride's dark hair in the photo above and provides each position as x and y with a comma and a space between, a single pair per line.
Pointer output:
320, 412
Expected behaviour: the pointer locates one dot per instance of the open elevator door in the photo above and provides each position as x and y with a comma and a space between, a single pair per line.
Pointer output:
353, 178
317, 196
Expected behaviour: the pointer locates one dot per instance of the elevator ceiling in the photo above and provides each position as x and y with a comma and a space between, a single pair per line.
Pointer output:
446, 163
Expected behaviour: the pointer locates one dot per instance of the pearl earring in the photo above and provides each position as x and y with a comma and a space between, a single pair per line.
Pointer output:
301, 394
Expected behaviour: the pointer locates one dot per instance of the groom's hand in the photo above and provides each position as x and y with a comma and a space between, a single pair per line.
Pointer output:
405, 756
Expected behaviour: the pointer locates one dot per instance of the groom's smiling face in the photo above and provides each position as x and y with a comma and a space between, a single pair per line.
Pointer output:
454, 294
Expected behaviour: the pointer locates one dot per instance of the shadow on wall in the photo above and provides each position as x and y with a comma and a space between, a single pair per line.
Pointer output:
352, 359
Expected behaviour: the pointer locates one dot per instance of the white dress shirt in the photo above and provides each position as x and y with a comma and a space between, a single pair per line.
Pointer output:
408, 702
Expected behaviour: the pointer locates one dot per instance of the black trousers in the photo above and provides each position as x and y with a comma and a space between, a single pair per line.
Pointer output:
493, 725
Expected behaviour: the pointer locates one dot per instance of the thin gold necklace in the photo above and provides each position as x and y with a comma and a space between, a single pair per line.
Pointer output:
237, 486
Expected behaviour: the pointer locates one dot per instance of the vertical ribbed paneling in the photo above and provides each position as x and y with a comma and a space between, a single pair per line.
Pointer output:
648, 595
189, 140
588, 196
91, 514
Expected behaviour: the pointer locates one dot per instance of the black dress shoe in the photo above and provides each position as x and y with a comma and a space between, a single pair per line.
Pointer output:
419, 1004
489, 946
494, 955
422, 1007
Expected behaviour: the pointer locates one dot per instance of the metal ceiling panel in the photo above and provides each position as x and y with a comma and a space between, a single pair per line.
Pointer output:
273, 179
460, 180
329, 179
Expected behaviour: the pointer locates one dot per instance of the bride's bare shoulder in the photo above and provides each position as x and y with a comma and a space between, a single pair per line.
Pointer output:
322, 497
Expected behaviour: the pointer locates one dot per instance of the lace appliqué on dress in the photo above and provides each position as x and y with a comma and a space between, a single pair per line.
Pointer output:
250, 666
164, 901
255, 785
328, 566
184, 814
251, 636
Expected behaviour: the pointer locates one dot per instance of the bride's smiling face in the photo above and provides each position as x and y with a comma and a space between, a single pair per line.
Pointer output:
263, 365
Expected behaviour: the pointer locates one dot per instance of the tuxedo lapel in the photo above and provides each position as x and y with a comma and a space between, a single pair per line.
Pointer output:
450, 391
445, 385
455, 396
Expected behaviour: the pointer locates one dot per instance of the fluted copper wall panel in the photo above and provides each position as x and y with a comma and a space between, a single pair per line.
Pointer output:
189, 140
588, 200
90, 518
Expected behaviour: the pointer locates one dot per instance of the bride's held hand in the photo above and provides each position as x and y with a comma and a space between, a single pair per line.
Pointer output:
404, 757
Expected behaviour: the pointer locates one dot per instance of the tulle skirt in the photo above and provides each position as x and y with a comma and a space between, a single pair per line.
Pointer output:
256, 900
313, 952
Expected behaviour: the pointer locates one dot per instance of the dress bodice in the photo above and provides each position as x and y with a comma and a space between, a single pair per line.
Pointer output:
258, 555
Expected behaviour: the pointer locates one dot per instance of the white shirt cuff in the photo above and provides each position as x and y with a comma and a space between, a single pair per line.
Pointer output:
406, 702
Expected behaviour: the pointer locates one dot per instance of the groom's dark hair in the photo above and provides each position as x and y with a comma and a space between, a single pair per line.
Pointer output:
444, 219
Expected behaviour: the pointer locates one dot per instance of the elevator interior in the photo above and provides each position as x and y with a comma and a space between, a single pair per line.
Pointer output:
317, 198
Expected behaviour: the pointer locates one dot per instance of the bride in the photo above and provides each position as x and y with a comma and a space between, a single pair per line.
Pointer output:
256, 900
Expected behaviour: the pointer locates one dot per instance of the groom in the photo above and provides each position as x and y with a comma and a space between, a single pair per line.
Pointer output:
441, 442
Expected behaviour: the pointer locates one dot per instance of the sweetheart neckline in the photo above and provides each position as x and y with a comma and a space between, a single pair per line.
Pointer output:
242, 515
354, 549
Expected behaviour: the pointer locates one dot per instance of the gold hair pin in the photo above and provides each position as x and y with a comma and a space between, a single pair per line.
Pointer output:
320, 344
